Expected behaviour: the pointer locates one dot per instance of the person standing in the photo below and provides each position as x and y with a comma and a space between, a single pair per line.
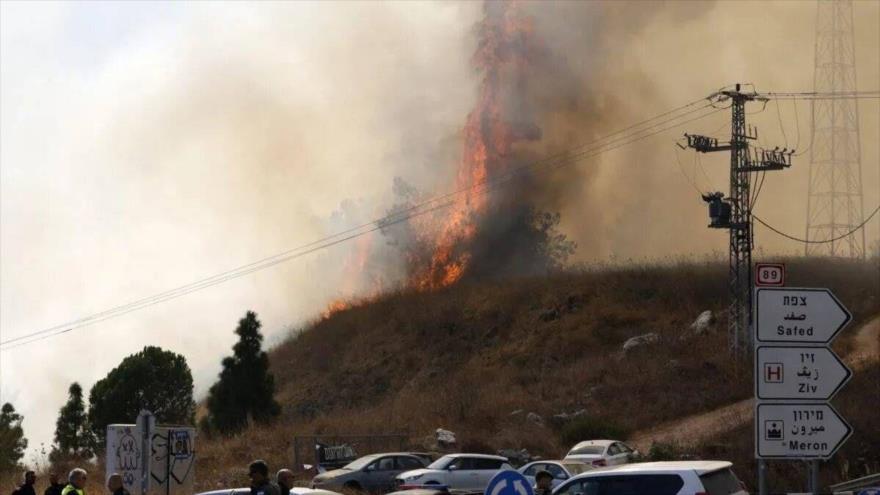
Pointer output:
27, 488
284, 480
115, 485
54, 487
76, 482
258, 471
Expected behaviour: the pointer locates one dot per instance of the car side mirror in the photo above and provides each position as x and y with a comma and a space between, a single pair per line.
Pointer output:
452, 468
370, 468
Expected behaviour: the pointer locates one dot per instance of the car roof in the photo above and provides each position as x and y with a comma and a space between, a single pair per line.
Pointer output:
700, 467
478, 456
585, 443
295, 490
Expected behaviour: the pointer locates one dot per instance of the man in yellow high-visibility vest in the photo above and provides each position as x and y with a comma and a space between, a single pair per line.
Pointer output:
76, 482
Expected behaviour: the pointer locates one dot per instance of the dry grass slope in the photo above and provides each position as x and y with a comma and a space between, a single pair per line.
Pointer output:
467, 357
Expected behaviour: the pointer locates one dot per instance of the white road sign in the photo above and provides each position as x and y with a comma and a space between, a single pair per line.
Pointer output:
805, 373
798, 431
806, 316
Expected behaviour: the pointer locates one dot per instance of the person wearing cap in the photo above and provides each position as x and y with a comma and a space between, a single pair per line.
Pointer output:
543, 483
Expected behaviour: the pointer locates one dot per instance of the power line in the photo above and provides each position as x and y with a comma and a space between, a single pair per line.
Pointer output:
560, 160
830, 95
807, 241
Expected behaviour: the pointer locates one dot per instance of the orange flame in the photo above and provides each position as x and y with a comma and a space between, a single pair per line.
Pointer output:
488, 139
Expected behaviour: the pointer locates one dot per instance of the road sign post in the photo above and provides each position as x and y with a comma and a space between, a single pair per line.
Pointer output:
793, 430
796, 373
769, 274
798, 316
509, 483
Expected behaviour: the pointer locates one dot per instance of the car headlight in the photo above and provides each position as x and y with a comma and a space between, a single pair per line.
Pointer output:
413, 478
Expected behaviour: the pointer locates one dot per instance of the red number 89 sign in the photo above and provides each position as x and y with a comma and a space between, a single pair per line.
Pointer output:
770, 274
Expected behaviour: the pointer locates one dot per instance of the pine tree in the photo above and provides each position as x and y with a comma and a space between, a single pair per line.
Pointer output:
12, 440
245, 389
73, 438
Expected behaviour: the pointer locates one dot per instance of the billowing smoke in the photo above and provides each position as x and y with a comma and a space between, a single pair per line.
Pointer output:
146, 146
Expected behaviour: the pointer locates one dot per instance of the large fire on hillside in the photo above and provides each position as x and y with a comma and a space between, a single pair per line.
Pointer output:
483, 226
489, 135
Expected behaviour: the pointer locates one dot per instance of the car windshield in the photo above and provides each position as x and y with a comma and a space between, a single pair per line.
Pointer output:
721, 482
576, 467
588, 450
358, 464
441, 463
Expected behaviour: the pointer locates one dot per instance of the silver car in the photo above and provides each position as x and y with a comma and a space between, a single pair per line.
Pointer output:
371, 473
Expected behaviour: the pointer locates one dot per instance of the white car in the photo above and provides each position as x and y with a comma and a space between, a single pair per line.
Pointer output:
657, 478
601, 453
456, 472
247, 491
560, 470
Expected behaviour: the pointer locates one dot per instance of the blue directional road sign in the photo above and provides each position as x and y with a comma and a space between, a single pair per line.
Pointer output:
509, 483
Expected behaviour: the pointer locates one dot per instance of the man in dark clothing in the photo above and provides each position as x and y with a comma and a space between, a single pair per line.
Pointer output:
258, 471
284, 479
543, 483
27, 488
54, 487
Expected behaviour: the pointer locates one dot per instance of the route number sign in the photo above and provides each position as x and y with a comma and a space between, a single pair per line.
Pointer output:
769, 274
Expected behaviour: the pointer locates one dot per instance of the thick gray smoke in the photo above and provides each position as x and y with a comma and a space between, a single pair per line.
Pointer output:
145, 146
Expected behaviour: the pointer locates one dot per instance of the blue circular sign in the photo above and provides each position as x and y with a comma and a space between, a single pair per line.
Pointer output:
509, 483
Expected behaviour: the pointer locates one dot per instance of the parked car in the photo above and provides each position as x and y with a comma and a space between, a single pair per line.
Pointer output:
247, 491
436, 490
427, 457
561, 470
657, 478
602, 453
457, 472
371, 473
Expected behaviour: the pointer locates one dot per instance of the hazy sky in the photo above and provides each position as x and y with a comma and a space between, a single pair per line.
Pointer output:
147, 145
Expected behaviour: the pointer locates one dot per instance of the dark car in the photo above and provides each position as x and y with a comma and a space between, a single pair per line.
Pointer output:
372, 473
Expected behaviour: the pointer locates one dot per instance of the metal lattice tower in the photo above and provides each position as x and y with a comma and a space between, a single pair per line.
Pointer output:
735, 212
740, 276
835, 204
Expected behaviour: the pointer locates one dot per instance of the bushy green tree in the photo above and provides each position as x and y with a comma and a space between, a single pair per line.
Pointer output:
12, 440
73, 438
245, 389
153, 379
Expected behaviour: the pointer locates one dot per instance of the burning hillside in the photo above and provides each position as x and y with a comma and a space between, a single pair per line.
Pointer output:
490, 231
485, 232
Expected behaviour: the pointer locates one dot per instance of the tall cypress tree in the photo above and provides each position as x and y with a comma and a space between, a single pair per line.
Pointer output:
245, 389
73, 438
12, 440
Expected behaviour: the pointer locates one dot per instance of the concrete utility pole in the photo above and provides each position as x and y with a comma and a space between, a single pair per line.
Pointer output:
735, 212
835, 203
